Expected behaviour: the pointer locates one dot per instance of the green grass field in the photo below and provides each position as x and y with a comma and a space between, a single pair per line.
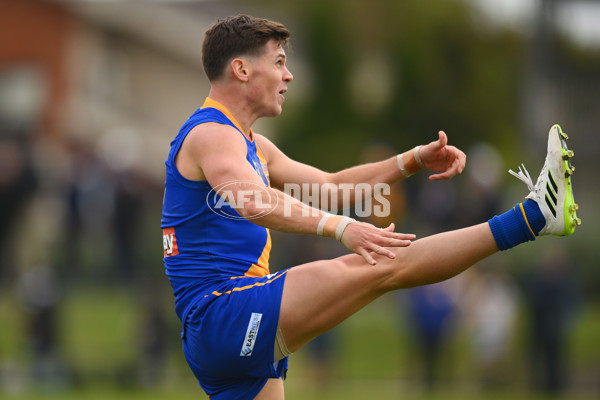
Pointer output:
372, 357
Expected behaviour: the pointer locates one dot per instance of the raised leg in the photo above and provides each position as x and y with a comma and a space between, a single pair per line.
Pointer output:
318, 296
273, 390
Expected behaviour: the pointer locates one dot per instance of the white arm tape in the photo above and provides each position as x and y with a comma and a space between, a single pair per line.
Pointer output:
402, 167
321, 225
418, 157
339, 230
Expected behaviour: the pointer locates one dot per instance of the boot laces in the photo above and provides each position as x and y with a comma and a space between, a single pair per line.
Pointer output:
523, 176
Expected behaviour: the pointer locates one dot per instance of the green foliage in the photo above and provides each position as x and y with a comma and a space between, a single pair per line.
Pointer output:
445, 73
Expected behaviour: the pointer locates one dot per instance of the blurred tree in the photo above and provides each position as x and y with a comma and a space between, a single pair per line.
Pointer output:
426, 66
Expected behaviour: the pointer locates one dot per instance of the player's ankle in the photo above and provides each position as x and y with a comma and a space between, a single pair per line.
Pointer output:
518, 225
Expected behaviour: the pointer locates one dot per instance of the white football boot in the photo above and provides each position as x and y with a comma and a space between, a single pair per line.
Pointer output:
553, 191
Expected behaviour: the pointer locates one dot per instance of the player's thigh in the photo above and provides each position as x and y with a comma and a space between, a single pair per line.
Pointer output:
273, 390
318, 296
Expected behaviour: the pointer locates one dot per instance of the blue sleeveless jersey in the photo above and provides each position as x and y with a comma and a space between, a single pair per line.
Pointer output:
204, 248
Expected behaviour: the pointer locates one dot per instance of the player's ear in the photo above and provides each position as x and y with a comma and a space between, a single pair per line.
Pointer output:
240, 69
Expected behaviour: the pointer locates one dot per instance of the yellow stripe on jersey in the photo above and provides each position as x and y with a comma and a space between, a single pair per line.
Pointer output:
239, 289
261, 268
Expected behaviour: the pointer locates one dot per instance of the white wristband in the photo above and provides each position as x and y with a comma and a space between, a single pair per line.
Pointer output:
321, 225
339, 230
418, 157
402, 167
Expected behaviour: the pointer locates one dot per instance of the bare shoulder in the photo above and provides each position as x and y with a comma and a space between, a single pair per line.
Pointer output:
209, 134
206, 144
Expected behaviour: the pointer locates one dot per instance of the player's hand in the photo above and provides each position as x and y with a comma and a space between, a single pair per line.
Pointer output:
439, 157
365, 239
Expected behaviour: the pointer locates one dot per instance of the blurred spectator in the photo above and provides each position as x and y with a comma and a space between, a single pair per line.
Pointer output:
129, 202
433, 207
120, 150
321, 352
152, 363
432, 311
491, 301
90, 206
17, 185
107, 200
553, 297
480, 196
39, 291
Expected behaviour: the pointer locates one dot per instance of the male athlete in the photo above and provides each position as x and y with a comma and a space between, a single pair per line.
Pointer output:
224, 191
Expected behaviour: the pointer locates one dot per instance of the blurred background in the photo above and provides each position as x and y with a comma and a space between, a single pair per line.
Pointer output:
92, 92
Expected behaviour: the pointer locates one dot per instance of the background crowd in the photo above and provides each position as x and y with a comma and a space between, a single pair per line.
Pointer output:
91, 94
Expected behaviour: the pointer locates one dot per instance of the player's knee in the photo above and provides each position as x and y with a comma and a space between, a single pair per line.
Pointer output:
397, 271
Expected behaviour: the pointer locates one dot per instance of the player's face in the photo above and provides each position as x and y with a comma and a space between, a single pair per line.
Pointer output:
269, 80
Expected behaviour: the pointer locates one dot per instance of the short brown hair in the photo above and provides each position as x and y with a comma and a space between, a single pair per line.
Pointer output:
236, 36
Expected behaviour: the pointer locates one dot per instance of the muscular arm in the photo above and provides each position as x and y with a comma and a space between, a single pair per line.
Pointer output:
285, 170
436, 156
217, 153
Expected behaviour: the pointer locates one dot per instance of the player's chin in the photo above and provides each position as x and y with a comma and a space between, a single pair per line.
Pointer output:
275, 111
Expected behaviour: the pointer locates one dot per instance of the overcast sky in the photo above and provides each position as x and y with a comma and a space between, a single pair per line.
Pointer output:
578, 18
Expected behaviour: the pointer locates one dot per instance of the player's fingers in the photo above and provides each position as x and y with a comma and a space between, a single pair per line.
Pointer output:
406, 236
365, 254
449, 173
457, 166
398, 242
442, 139
383, 251
444, 176
438, 177
462, 158
388, 238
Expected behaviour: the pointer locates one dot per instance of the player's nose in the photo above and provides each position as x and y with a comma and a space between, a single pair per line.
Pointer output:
287, 76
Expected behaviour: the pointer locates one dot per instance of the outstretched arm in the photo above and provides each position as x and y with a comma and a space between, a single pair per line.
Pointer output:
203, 157
436, 156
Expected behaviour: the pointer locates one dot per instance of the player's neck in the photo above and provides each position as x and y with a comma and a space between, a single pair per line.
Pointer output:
236, 105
